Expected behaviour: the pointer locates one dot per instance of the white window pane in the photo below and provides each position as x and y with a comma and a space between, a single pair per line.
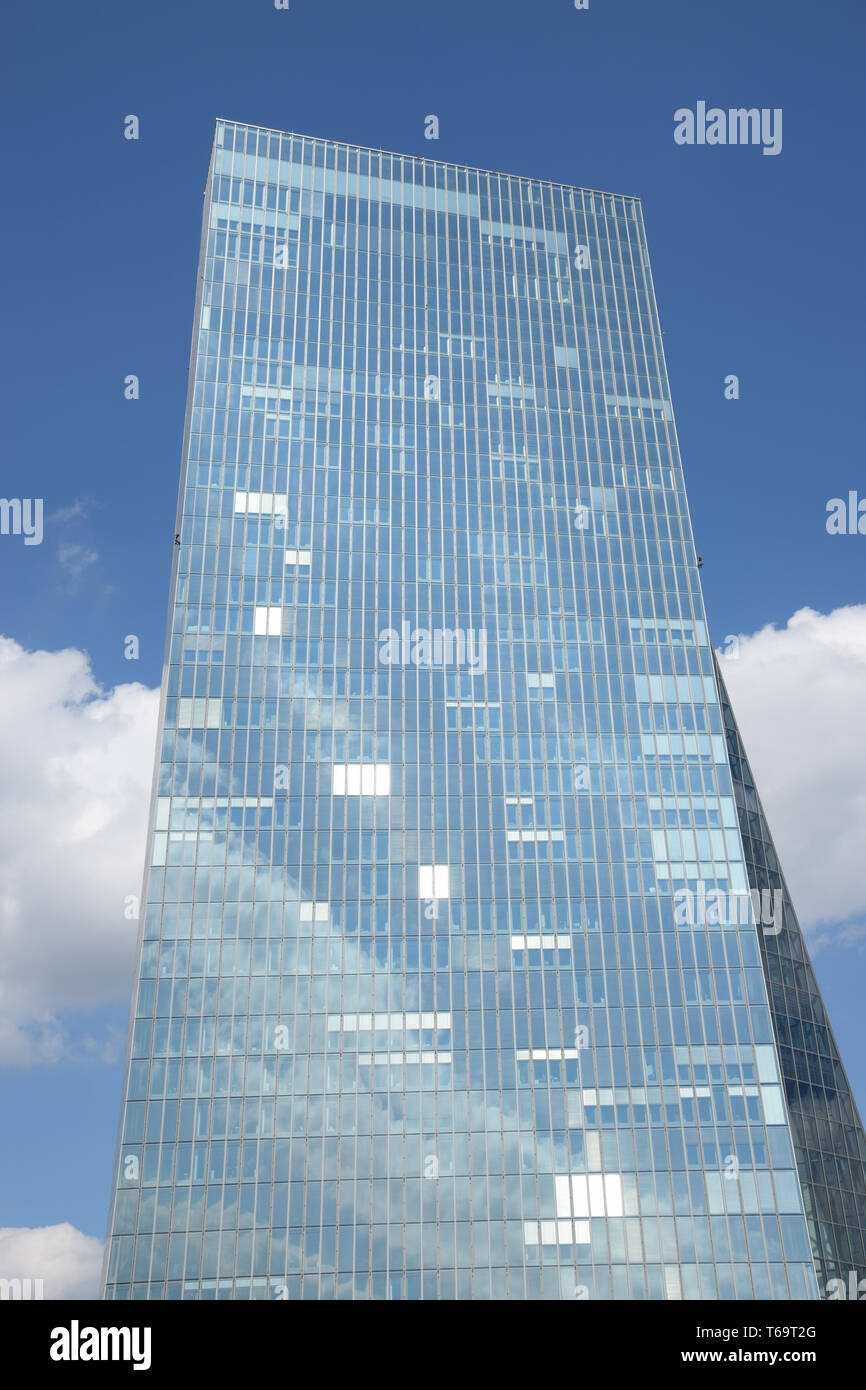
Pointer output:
774, 1110
562, 1186
596, 1194
613, 1194
580, 1196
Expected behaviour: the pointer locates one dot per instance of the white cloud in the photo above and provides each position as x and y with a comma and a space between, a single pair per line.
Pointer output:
799, 697
76, 559
63, 515
67, 1261
77, 764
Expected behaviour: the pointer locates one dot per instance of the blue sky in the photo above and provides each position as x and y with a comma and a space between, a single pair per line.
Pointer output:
758, 268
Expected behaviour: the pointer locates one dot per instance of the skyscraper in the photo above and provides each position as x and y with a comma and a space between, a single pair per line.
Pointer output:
450, 981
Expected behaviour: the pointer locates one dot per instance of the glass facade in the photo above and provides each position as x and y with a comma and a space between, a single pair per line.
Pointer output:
829, 1142
432, 1001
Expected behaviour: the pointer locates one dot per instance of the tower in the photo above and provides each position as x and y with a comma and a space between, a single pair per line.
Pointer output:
431, 1002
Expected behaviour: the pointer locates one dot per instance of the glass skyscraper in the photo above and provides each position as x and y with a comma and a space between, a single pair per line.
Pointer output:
451, 985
